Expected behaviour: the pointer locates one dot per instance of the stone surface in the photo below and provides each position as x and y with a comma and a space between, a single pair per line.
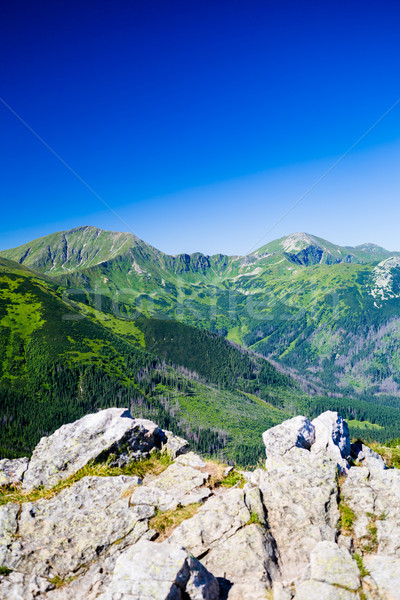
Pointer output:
219, 518
300, 494
190, 459
12, 471
110, 431
332, 438
174, 445
374, 496
20, 586
246, 558
276, 537
296, 432
176, 485
59, 535
149, 571
8, 529
316, 590
385, 571
201, 585
334, 565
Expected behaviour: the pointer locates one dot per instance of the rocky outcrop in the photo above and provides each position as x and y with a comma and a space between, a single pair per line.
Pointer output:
111, 432
175, 534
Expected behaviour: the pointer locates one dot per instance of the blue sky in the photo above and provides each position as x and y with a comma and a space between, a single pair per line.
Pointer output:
200, 123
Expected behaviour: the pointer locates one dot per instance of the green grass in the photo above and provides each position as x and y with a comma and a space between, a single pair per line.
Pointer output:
165, 522
155, 464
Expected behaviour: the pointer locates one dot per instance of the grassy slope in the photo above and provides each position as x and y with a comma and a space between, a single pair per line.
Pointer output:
56, 364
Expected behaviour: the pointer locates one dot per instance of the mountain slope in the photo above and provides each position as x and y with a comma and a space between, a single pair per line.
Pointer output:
329, 313
60, 360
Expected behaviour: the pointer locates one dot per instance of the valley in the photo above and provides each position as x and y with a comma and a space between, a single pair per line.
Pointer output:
219, 348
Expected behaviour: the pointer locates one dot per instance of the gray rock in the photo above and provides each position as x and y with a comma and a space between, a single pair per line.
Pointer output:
151, 571
374, 496
12, 471
174, 445
57, 536
316, 590
385, 571
190, 459
366, 457
201, 585
20, 586
8, 529
296, 432
334, 565
254, 502
176, 485
299, 492
219, 518
246, 558
109, 432
332, 438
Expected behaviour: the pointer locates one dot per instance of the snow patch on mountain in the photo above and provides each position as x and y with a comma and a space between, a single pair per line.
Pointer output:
386, 280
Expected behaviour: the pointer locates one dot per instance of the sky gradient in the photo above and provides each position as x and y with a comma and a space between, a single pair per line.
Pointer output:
200, 123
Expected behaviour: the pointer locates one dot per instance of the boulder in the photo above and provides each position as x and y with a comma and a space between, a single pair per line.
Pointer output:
109, 432
297, 432
12, 471
165, 571
332, 438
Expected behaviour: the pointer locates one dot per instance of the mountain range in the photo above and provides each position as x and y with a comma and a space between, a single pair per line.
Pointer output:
299, 324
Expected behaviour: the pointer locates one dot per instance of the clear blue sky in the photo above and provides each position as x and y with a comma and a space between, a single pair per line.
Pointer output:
200, 122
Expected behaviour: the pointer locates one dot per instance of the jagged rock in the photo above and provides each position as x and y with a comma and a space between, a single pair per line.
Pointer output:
277, 536
246, 559
374, 497
334, 565
332, 438
366, 457
20, 586
201, 585
219, 518
174, 445
151, 571
385, 572
59, 535
12, 471
170, 488
299, 492
110, 431
296, 432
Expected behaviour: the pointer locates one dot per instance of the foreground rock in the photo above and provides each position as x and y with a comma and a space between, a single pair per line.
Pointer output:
109, 432
175, 536
165, 571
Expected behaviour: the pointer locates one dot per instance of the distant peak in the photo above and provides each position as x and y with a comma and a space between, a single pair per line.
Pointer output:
296, 241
